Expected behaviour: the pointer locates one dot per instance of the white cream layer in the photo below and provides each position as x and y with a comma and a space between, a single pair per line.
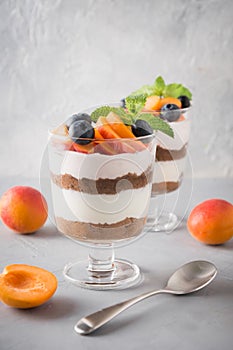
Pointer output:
181, 136
95, 166
168, 170
92, 208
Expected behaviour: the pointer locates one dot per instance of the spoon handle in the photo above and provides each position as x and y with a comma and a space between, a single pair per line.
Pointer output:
90, 323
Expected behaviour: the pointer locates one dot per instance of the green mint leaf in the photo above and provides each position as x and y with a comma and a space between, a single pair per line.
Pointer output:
176, 90
134, 103
146, 90
156, 123
105, 110
127, 118
100, 112
159, 86
161, 89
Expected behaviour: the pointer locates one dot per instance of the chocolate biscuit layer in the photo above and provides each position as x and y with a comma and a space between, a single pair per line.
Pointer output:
103, 186
164, 187
87, 232
163, 154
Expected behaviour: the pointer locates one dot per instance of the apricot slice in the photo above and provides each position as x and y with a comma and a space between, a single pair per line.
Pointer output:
109, 129
25, 286
118, 126
107, 132
153, 103
89, 148
98, 134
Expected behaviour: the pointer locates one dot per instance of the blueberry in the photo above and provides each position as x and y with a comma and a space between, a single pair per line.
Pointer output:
141, 128
77, 117
185, 102
81, 130
170, 112
123, 103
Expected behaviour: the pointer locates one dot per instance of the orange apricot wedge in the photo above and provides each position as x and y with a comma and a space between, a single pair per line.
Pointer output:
112, 127
24, 286
118, 126
107, 132
98, 135
152, 103
89, 148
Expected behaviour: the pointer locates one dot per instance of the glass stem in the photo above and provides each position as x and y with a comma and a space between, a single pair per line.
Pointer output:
101, 262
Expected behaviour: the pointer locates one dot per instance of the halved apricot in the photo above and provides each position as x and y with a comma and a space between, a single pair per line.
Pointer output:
24, 286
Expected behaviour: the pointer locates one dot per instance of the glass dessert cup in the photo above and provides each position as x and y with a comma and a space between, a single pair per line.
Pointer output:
169, 167
101, 199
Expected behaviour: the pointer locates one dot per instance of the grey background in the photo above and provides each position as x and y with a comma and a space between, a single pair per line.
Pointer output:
57, 57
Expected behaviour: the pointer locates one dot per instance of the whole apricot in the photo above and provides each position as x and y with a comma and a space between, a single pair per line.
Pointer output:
23, 209
211, 222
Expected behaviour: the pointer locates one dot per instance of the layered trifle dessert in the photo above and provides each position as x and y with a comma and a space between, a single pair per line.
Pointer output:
171, 103
171, 157
101, 167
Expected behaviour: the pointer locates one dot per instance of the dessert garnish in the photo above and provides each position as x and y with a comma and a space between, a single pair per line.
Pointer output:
85, 133
161, 98
148, 109
81, 132
130, 117
78, 117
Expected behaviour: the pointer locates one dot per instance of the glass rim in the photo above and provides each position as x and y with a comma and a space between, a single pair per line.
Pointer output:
119, 103
125, 139
182, 110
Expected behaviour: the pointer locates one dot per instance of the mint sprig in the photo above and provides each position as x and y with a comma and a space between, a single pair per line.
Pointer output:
136, 101
176, 90
156, 123
158, 88
105, 110
134, 104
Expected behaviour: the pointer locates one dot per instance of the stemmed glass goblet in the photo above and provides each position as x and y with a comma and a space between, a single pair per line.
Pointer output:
101, 194
170, 162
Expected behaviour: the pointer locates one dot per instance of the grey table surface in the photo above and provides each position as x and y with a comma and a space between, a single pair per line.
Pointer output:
202, 320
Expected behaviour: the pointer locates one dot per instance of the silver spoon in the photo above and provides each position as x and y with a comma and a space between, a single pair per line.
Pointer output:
188, 278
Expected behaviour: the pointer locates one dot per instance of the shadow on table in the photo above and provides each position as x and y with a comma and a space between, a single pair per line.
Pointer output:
47, 231
59, 307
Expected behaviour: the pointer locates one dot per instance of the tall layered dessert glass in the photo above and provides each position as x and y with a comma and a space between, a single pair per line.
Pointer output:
169, 168
101, 188
172, 104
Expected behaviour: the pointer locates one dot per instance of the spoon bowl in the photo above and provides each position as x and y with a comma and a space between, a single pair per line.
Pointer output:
189, 278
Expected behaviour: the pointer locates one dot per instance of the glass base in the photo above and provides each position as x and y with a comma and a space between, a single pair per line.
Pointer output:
124, 274
165, 222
